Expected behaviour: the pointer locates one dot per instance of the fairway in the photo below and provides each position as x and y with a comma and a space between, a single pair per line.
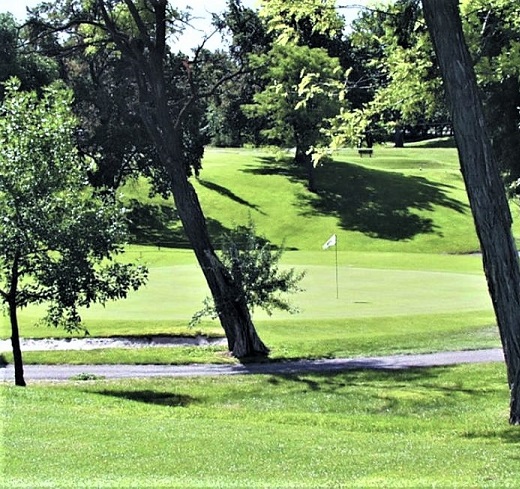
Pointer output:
407, 275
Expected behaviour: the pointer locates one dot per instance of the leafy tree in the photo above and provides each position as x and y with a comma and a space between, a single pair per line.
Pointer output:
227, 123
304, 90
138, 31
406, 92
412, 92
32, 69
484, 186
315, 23
254, 264
492, 29
57, 237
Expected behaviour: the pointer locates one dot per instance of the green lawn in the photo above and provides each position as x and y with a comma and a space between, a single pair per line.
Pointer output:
442, 427
405, 235
408, 282
400, 200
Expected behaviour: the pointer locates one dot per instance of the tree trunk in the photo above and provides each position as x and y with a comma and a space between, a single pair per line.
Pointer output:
15, 342
304, 159
163, 125
483, 183
399, 138
243, 340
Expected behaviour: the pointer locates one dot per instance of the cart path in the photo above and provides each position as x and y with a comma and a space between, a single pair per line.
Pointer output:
393, 362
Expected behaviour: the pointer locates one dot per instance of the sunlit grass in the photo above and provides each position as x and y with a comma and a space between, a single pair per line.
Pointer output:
442, 427
290, 340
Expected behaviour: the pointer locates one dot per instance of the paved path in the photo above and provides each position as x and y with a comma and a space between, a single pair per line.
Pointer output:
64, 372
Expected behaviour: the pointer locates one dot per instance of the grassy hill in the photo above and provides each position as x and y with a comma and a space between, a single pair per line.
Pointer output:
401, 200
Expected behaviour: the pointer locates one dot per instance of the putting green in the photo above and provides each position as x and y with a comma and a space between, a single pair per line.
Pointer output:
176, 292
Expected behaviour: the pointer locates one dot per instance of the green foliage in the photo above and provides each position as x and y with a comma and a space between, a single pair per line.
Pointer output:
254, 266
304, 90
287, 18
406, 88
409, 90
57, 237
492, 30
29, 66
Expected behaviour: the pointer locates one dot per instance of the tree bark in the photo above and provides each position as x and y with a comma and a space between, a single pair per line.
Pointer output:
13, 316
484, 186
235, 318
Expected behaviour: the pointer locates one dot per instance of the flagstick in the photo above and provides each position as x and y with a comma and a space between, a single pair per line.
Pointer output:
337, 288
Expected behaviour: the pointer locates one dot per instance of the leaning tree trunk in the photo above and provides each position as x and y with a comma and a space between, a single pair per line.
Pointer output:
165, 130
243, 340
232, 308
483, 183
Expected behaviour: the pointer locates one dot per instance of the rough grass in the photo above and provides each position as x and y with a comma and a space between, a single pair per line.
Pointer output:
442, 427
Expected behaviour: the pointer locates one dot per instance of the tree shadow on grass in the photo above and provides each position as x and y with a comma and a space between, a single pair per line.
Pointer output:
401, 392
227, 193
379, 204
159, 225
150, 397
507, 435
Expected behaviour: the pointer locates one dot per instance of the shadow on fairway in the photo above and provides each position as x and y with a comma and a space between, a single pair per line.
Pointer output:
159, 225
227, 193
150, 397
377, 203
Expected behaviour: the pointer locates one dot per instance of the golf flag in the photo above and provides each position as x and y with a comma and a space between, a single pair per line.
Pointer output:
330, 242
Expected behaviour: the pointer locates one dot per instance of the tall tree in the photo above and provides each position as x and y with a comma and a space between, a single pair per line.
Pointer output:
227, 122
483, 183
405, 88
492, 30
138, 30
57, 237
295, 116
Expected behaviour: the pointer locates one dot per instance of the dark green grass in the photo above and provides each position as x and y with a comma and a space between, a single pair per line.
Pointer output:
442, 427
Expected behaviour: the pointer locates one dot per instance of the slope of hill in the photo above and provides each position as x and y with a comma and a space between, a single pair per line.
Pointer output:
401, 200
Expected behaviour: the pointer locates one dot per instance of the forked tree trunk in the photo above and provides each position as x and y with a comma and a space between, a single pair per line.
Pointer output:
484, 186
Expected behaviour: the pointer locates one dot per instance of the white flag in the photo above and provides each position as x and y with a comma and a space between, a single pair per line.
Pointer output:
330, 242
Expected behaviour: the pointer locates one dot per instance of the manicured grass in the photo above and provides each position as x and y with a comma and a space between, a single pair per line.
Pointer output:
401, 200
399, 216
442, 427
368, 286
